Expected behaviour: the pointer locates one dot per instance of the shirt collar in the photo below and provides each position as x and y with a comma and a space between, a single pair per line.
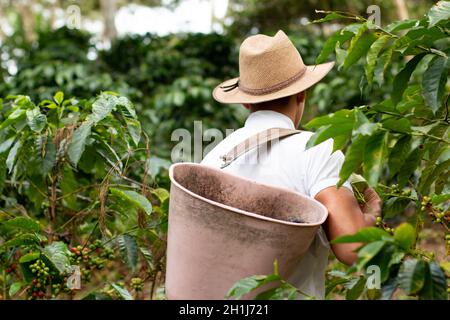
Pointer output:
264, 119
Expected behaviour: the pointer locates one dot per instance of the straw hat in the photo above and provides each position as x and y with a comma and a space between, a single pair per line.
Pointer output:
269, 68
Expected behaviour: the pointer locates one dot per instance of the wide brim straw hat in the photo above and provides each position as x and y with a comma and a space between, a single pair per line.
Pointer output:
269, 68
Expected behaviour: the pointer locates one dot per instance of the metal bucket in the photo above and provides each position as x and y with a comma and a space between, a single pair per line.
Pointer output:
223, 228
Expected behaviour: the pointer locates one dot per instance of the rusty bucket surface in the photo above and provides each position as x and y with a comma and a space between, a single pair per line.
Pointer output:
223, 228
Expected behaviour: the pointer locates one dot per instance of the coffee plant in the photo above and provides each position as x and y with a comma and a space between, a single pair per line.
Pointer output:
77, 198
400, 145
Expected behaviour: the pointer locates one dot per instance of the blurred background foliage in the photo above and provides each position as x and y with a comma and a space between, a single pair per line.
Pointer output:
170, 78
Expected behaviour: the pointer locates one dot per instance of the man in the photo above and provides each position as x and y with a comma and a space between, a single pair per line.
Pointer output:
272, 84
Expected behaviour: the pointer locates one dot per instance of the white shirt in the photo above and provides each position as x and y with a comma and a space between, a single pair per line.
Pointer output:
287, 164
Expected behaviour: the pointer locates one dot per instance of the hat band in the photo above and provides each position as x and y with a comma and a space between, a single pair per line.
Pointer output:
262, 91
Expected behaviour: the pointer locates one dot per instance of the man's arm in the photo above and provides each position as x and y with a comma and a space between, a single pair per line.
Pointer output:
345, 217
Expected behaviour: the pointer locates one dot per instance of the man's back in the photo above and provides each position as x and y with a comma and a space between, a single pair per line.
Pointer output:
287, 164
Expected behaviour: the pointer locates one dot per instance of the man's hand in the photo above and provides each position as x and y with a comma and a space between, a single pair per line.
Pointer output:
368, 200
372, 202
371, 206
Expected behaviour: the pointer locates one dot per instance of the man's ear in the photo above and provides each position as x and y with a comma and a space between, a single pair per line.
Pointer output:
301, 96
247, 105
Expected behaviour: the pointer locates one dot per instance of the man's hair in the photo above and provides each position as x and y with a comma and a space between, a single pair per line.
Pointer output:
277, 102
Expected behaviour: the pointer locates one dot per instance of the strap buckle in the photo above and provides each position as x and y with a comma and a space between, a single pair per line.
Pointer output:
226, 161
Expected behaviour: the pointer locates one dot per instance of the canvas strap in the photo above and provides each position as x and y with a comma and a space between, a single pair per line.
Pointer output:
255, 141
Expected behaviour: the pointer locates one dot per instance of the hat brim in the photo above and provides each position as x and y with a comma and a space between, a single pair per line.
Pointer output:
312, 75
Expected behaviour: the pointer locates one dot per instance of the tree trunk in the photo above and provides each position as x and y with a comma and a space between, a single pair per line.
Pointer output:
53, 10
402, 10
25, 10
108, 10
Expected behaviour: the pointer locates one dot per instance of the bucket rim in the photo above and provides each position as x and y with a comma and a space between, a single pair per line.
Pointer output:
247, 213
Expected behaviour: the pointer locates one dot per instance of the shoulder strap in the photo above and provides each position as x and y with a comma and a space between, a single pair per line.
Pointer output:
255, 141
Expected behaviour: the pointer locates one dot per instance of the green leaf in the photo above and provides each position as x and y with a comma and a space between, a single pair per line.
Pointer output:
373, 294
438, 12
21, 240
402, 78
369, 234
394, 206
283, 292
401, 25
69, 184
411, 276
95, 295
440, 198
435, 286
128, 250
32, 256
59, 97
383, 62
433, 82
402, 125
15, 116
134, 198
396, 257
409, 166
399, 154
22, 223
146, 253
405, 235
368, 252
134, 129
437, 170
123, 293
388, 288
363, 125
156, 164
125, 102
108, 153
353, 158
58, 254
48, 161
102, 107
247, 285
14, 288
355, 289
5, 145
161, 193
343, 117
358, 47
340, 36
36, 119
374, 153
331, 285
372, 56
330, 131
78, 142
11, 159
329, 17
2, 172
384, 259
